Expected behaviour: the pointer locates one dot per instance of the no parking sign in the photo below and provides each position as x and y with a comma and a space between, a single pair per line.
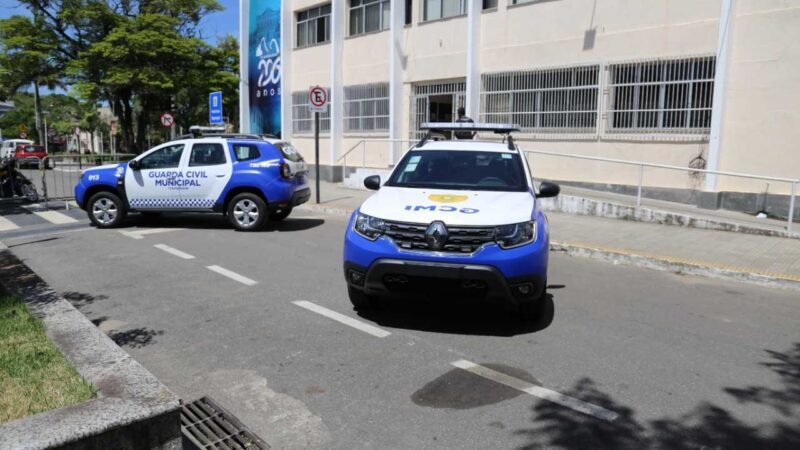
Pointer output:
167, 120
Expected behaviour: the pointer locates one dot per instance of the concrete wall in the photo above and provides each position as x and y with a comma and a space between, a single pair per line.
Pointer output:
759, 132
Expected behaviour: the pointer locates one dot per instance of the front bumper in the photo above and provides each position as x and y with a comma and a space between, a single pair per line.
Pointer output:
402, 278
490, 272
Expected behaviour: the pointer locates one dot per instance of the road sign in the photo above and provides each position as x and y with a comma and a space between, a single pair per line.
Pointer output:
22, 128
23, 135
167, 120
318, 99
215, 108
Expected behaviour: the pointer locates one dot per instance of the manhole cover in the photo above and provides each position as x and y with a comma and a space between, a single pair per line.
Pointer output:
208, 425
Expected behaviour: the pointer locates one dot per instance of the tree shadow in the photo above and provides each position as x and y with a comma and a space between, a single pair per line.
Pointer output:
82, 299
135, 338
706, 426
457, 316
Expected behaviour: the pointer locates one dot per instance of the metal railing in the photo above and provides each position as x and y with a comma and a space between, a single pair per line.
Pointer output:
642, 165
55, 176
363, 145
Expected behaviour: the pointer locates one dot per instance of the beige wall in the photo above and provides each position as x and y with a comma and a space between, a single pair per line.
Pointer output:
761, 132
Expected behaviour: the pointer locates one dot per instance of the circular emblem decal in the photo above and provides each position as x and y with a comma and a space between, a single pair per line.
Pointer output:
447, 198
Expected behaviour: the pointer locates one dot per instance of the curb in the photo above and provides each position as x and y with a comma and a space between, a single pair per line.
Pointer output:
132, 408
326, 209
679, 265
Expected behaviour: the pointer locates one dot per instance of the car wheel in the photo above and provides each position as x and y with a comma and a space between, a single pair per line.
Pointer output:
277, 216
359, 299
106, 210
531, 310
247, 212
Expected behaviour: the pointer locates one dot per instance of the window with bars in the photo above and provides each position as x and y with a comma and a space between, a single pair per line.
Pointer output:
664, 96
303, 118
549, 100
366, 107
367, 16
314, 26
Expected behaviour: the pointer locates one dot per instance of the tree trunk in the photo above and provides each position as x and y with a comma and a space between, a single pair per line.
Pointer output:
37, 107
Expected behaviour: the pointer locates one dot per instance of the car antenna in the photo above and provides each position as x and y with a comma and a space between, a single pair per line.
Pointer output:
511, 142
424, 139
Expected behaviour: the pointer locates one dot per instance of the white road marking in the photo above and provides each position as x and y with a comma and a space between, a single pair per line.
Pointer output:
6, 225
537, 391
341, 318
50, 216
232, 275
140, 234
173, 251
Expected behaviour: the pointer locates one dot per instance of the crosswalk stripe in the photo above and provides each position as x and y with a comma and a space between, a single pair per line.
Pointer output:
6, 225
50, 216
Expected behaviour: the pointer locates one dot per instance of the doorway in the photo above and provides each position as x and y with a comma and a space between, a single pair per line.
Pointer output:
435, 102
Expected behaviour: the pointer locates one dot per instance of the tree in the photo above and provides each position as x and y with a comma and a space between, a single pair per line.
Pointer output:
28, 55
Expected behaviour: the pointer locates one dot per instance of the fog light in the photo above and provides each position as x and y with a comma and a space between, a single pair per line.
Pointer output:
524, 289
357, 277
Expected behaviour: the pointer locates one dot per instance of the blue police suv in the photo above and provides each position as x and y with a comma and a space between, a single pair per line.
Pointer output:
248, 178
454, 217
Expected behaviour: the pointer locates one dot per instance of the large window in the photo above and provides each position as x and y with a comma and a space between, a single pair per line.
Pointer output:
314, 25
207, 154
441, 9
303, 118
366, 107
367, 16
661, 96
551, 100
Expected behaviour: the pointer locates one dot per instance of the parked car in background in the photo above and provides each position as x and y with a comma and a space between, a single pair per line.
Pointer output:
30, 154
9, 146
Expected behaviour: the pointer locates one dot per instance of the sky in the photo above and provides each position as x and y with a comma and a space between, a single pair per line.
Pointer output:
212, 26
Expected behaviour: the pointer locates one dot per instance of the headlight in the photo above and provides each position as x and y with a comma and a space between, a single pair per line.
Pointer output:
369, 227
508, 236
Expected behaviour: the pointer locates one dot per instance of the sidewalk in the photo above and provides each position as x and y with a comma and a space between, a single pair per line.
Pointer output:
722, 254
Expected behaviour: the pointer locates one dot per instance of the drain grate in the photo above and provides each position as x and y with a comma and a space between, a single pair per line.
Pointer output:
210, 426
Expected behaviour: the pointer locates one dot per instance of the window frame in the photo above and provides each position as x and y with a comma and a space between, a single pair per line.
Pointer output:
303, 118
251, 146
384, 22
304, 19
149, 154
377, 99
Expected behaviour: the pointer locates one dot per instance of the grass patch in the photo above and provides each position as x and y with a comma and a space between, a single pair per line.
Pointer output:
34, 375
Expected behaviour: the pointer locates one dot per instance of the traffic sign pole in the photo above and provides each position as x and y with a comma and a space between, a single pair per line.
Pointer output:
316, 150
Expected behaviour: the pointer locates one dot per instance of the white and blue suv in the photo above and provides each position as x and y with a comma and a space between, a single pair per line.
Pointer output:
456, 217
249, 178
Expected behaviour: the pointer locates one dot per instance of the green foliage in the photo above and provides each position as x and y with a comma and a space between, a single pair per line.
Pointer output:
141, 58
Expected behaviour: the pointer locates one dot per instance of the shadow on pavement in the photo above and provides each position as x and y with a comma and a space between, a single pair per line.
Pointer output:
82, 299
457, 316
135, 338
212, 222
706, 426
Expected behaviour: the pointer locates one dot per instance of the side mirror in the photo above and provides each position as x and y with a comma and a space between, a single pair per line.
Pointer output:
372, 182
133, 164
547, 189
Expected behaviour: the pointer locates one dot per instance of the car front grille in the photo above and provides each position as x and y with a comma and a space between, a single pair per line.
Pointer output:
411, 236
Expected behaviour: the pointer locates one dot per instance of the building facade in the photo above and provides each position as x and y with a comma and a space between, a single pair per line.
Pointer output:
688, 83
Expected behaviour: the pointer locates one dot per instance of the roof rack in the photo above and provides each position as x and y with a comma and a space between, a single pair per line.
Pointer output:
497, 128
219, 132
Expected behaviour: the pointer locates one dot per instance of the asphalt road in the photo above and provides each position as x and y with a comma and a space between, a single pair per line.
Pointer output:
675, 361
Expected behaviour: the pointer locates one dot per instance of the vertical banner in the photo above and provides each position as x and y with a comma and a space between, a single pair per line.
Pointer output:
264, 67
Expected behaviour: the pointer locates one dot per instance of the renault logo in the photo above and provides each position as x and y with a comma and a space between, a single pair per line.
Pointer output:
436, 235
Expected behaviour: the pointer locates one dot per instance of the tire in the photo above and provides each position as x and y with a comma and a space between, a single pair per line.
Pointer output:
277, 216
247, 212
106, 210
359, 299
531, 310
28, 190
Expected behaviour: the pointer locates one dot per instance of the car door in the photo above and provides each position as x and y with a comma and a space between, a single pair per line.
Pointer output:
158, 181
207, 170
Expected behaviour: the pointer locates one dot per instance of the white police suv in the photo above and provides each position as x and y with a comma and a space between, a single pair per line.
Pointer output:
248, 178
455, 217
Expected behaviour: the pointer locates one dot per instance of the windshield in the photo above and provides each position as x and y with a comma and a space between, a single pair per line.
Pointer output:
453, 169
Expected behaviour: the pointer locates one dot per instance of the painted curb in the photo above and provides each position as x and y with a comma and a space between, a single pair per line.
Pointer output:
680, 266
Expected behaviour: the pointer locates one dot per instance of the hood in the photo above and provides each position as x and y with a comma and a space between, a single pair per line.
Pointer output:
106, 167
453, 207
